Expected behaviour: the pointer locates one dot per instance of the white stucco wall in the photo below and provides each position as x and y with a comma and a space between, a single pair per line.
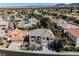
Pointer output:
77, 42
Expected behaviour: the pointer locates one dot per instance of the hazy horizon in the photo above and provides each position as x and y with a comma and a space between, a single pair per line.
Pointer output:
25, 4
28, 5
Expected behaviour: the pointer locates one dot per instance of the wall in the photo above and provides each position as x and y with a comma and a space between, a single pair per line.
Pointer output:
77, 43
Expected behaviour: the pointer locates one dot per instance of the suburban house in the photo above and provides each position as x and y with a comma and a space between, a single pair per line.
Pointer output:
73, 35
16, 36
33, 20
27, 22
75, 11
2, 32
77, 20
64, 27
24, 23
17, 19
21, 24
41, 36
4, 25
36, 12
60, 22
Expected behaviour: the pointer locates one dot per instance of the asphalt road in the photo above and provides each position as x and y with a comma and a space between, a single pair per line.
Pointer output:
17, 53
14, 53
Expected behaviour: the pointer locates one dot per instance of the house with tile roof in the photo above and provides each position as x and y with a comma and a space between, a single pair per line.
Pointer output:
64, 27
16, 36
73, 35
40, 38
42, 35
60, 22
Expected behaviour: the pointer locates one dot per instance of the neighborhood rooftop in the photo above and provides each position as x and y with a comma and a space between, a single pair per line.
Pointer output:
73, 32
61, 21
41, 32
67, 26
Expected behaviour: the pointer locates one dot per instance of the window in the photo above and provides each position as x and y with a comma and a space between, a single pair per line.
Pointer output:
3, 28
38, 37
47, 38
43, 38
32, 36
32, 40
51, 38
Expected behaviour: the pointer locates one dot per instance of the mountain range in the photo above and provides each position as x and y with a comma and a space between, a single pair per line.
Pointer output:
67, 5
37, 5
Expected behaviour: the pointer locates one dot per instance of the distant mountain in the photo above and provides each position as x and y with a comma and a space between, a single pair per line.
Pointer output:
29, 7
26, 5
55, 5
66, 5
74, 5
60, 5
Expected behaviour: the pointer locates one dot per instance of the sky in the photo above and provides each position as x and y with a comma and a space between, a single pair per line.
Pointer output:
25, 4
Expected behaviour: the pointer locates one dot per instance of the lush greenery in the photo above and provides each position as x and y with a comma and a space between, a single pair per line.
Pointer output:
72, 48
45, 22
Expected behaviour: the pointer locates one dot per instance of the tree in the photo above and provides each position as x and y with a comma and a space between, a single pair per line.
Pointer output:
44, 13
35, 26
54, 14
65, 40
26, 38
46, 22
71, 9
30, 15
12, 18
58, 45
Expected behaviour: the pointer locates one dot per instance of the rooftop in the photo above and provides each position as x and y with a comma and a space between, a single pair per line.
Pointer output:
3, 22
1, 19
73, 32
67, 26
41, 32
61, 21
33, 20
16, 34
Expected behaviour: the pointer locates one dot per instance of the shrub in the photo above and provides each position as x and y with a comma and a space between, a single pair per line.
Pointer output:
22, 28
72, 48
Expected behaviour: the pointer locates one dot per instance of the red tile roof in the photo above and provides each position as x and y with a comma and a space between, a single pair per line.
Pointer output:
61, 21
16, 34
73, 32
